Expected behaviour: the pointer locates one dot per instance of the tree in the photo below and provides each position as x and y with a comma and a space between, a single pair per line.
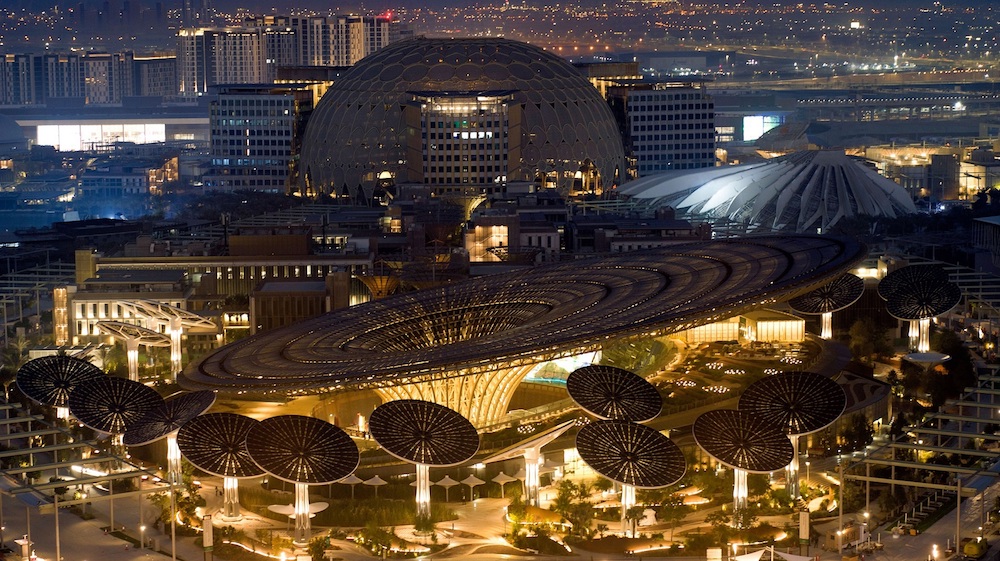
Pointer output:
672, 512
720, 521
572, 503
633, 515
857, 433
867, 339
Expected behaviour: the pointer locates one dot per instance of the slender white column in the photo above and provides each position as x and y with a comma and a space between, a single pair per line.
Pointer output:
423, 490
303, 527
173, 459
628, 501
924, 342
792, 471
132, 355
827, 325
532, 457
175, 347
914, 333
231, 500
739, 496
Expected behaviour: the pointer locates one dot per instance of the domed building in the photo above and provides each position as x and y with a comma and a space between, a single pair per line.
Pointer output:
805, 191
455, 114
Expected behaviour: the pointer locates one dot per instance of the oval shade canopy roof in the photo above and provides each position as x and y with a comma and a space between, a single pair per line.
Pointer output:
800, 402
216, 443
743, 440
302, 449
836, 295
169, 416
423, 432
50, 379
804, 191
486, 324
614, 393
631, 454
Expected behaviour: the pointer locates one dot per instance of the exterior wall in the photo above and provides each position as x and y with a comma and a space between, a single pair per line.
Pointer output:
108, 77
206, 57
790, 330
62, 75
253, 138
726, 330
671, 128
273, 309
17, 80
464, 142
155, 76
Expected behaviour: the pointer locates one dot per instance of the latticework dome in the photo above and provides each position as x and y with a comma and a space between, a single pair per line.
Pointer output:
359, 135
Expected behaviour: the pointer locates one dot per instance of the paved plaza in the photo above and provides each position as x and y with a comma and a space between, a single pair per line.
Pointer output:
86, 540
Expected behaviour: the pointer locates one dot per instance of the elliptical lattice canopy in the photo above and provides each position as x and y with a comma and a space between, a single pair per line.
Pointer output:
614, 393
217, 443
423, 432
631, 454
302, 449
800, 402
49, 380
743, 440
112, 405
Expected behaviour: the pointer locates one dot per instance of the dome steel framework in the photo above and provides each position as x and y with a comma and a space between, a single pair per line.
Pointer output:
358, 134
468, 344
613, 393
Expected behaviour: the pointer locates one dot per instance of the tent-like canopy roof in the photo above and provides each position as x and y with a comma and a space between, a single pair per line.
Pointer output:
799, 192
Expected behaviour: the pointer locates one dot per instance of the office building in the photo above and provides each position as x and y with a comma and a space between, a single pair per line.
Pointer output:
666, 126
254, 136
212, 56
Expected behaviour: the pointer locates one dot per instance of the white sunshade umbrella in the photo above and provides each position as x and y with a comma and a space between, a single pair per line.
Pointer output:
447, 482
503, 479
472, 481
375, 482
351, 480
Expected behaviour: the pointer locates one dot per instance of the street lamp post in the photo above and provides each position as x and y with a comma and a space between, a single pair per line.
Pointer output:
142, 536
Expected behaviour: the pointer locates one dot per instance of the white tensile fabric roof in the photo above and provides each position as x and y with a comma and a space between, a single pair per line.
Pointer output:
799, 192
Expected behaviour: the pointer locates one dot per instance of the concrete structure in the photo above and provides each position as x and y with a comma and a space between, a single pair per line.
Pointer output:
212, 56
337, 40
